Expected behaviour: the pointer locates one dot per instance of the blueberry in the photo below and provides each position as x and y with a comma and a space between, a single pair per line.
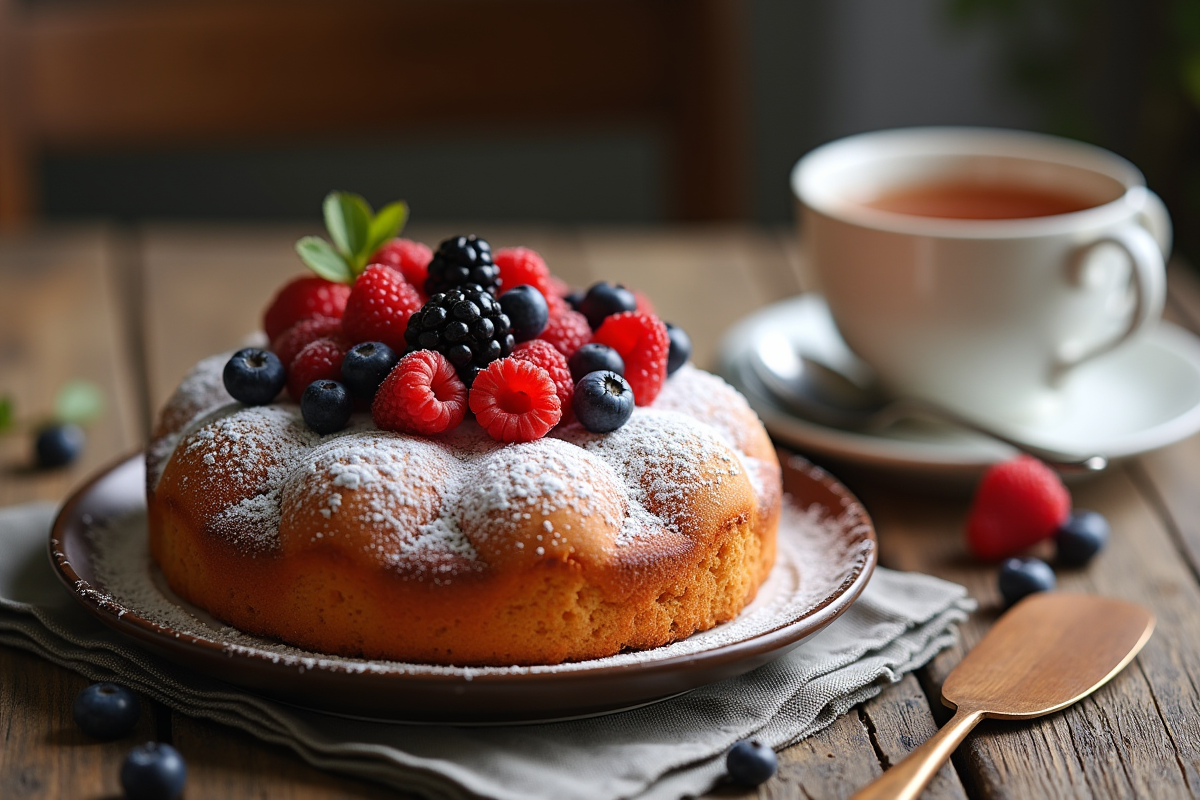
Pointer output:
575, 298
254, 376
58, 444
603, 401
604, 299
106, 711
326, 406
1081, 537
750, 762
365, 366
153, 771
595, 356
526, 310
1024, 576
681, 348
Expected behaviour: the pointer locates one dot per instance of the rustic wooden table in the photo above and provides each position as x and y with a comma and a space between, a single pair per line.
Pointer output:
133, 309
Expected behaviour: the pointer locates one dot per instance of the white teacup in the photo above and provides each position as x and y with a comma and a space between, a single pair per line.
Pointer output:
986, 315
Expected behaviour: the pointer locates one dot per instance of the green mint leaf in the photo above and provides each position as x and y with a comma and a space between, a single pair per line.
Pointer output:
386, 225
6, 414
348, 218
80, 402
322, 259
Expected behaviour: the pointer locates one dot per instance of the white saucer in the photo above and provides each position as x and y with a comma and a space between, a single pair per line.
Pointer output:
1139, 398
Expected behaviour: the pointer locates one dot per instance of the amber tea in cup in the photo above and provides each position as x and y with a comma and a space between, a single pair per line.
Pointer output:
967, 199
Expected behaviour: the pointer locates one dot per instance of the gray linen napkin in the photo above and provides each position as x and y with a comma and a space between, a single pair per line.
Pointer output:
659, 752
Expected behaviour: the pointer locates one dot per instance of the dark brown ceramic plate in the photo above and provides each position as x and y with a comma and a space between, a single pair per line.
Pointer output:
826, 555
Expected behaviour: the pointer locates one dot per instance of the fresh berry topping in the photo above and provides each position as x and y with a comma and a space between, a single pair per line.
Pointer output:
459, 261
1079, 538
643, 343
603, 401
303, 298
326, 406
575, 298
409, 257
546, 356
295, 338
681, 348
750, 762
520, 265
594, 356
379, 307
567, 330
365, 366
1020, 577
1018, 503
558, 287
643, 303
466, 325
605, 299
515, 401
423, 394
106, 711
318, 361
153, 771
254, 376
58, 444
526, 309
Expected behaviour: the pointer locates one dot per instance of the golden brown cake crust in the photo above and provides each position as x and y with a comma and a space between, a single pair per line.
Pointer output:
458, 549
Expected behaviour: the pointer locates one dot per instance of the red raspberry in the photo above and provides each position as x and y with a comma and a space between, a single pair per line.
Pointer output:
642, 341
1017, 504
559, 287
422, 394
515, 401
379, 307
567, 330
302, 298
643, 303
409, 257
293, 340
546, 356
521, 265
318, 360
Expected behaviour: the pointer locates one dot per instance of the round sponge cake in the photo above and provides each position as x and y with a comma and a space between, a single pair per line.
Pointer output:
458, 549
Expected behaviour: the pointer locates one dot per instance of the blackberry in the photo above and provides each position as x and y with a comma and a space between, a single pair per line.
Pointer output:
466, 325
462, 260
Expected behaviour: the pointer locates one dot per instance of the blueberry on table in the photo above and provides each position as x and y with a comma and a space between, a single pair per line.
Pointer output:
58, 445
526, 310
106, 711
1079, 538
750, 762
254, 377
681, 348
153, 771
1020, 577
592, 357
603, 401
326, 406
365, 366
605, 299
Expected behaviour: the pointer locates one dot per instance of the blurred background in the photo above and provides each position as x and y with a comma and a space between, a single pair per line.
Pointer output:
574, 111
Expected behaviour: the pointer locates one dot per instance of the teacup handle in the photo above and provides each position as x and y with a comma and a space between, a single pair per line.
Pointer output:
1148, 281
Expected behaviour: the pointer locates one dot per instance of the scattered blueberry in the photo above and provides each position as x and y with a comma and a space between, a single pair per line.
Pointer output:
604, 299
254, 376
750, 762
575, 299
1081, 537
594, 356
365, 366
106, 711
681, 348
326, 406
1024, 576
526, 310
58, 444
603, 401
153, 771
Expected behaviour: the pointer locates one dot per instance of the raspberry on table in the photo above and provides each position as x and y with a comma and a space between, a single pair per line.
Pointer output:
318, 361
462, 260
287, 344
546, 356
410, 258
301, 298
567, 330
520, 265
515, 401
422, 394
1018, 503
643, 344
379, 307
